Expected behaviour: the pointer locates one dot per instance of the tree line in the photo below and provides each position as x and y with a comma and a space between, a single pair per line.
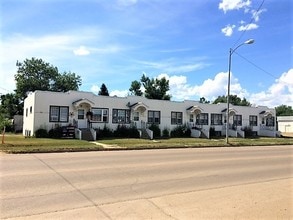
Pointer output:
36, 74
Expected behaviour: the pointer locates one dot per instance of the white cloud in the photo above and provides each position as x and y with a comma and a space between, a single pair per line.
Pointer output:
20, 47
281, 92
81, 51
228, 30
107, 49
180, 89
248, 27
228, 5
52, 48
256, 14
126, 3
176, 65
95, 89
119, 93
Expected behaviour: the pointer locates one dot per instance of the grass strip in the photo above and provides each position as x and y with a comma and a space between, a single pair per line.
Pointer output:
19, 144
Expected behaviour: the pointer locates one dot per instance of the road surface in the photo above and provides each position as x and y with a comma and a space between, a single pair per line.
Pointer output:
206, 183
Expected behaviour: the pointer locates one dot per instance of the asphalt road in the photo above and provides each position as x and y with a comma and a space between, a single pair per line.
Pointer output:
211, 183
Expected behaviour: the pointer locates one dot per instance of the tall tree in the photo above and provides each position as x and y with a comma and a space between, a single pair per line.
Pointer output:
156, 88
203, 100
135, 88
35, 74
284, 110
66, 81
10, 105
103, 90
233, 99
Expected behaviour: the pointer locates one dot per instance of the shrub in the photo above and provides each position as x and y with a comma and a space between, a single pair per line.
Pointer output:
55, 133
156, 130
104, 133
41, 133
126, 132
181, 131
212, 132
7, 123
248, 132
166, 133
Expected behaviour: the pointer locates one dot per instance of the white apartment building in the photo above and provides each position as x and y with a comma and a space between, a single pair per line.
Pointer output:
85, 110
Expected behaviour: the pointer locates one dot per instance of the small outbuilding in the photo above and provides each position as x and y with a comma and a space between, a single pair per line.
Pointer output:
285, 124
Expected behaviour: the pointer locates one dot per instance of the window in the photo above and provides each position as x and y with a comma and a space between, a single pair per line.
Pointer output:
270, 121
252, 120
59, 114
26, 112
237, 120
191, 118
100, 114
121, 116
202, 119
216, 119
176, 118
135, 116
31, 109
154, 117
80, 114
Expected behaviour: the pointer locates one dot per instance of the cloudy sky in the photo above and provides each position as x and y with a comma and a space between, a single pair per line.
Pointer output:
188, 41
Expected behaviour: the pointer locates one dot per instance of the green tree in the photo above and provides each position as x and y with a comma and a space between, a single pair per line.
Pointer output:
220, 99
284, 110
203, 100
103, 90
10, 105
156, 88
5, 122
233, 99
66, 81
35, 74
135, 88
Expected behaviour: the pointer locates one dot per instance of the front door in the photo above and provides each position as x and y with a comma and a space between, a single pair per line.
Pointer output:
81, 118
139, 120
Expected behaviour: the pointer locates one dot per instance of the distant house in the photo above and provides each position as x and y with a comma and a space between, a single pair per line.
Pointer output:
87, 111
17, 123
285, 124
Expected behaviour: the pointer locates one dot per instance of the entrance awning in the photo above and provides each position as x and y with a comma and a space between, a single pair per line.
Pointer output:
138, 106
232, 111
266, 113
80, 102
194, 110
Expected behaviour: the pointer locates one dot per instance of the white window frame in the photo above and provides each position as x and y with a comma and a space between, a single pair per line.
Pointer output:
100, 115
58, 114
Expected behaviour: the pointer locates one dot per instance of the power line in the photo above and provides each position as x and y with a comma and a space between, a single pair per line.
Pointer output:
270, 74
5, 89
263, 70
247, 26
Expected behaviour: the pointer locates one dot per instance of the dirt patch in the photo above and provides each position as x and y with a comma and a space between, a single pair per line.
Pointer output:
287, 134
107, 146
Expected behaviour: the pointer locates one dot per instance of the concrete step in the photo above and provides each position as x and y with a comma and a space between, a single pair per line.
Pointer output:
86, 135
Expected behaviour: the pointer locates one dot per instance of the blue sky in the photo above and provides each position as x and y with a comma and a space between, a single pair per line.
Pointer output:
117, 41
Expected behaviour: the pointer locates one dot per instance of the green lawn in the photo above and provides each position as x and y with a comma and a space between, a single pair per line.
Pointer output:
194, 142
19, 144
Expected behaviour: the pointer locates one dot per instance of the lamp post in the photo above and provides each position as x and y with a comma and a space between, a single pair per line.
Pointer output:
231, 51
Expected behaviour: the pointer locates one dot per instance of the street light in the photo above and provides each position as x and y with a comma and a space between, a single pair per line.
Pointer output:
250, 41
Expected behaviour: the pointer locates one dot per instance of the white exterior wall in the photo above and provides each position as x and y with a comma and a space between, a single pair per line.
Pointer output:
42, 100
285, 124
29, 117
